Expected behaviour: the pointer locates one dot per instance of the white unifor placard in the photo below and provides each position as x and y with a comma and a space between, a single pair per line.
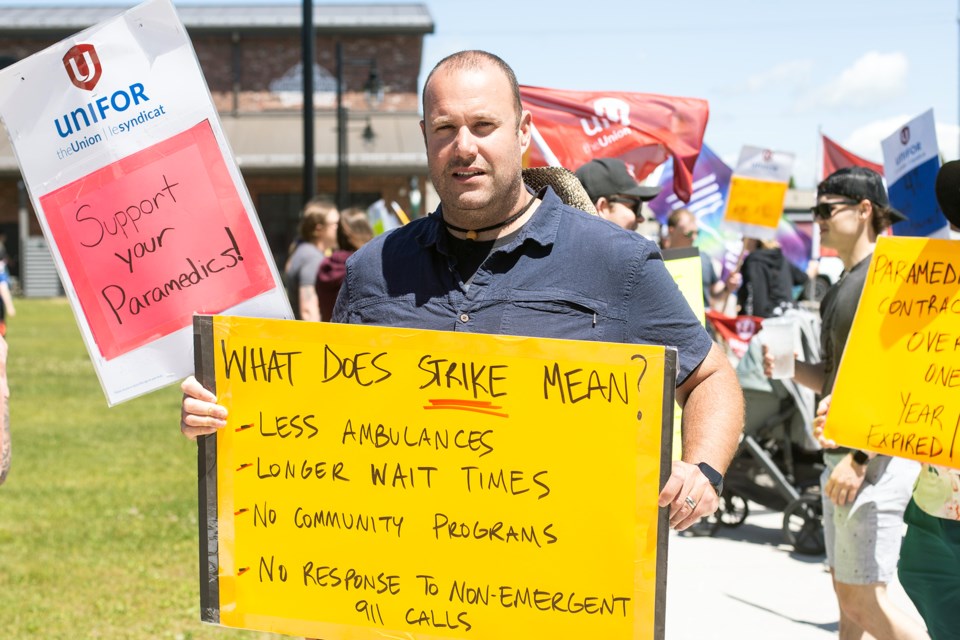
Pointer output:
143, 206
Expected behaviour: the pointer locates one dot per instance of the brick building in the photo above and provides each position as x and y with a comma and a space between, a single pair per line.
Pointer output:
251, 58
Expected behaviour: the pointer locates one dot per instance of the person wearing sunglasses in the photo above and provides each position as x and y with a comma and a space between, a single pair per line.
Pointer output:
613, 191
864, 495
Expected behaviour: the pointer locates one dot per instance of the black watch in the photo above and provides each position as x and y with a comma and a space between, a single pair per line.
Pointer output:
860, 457
713, 476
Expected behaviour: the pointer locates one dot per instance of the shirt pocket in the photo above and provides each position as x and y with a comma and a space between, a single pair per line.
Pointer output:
551, 314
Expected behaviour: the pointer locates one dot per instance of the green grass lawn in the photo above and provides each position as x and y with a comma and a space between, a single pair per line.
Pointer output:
98, 517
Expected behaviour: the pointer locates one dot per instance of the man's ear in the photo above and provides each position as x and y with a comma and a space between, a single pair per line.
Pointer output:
423, 130
525, 130
865, 211
603, 206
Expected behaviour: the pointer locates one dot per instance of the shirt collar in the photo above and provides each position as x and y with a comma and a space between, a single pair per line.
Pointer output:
542, 228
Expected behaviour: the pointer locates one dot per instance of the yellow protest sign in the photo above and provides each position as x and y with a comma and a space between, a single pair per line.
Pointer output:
687, 271
376, 482
755, 202
757, 190
897, 387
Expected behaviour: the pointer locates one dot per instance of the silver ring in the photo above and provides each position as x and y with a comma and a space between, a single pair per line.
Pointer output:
690, 502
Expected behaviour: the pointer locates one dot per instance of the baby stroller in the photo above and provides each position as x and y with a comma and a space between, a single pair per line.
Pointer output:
778, 463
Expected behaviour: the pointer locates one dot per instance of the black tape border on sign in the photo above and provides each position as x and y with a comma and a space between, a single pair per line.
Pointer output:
666, 463
207, 478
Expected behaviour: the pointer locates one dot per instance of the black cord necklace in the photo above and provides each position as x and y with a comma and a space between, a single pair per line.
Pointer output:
472, 233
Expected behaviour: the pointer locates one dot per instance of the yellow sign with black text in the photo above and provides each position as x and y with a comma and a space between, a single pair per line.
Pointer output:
898, 387
376, 482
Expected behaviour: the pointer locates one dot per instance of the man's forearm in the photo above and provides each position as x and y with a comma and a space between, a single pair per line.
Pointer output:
712, 413
309, 305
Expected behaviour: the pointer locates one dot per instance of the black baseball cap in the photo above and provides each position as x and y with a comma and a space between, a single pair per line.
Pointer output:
858, 183
605, 177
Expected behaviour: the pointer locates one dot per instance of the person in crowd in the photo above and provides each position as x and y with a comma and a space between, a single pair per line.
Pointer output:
864, 496
682, 232
929, 567
496, 258
5, 442
6, 301
318, 238
613, 191
353, 232
768, 279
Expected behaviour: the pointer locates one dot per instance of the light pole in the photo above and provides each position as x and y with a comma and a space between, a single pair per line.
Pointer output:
309, 170
374, 94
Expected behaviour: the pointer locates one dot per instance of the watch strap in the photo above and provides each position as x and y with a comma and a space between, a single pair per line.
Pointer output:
713, 476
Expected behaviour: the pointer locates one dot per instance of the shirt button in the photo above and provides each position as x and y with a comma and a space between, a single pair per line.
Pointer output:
464, 317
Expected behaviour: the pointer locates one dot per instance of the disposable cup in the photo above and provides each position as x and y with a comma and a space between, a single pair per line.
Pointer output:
780, 337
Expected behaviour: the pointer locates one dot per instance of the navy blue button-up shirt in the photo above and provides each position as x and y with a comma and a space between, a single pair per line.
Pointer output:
565, 274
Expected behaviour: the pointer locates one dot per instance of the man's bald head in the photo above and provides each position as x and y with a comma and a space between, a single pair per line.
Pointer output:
476, 59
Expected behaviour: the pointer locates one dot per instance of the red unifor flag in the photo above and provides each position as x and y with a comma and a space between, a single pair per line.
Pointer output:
642, 129
836, 157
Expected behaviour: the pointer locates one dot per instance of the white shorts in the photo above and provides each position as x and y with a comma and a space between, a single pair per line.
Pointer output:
863, 539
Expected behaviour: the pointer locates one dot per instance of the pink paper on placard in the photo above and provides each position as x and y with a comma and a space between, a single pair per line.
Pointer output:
154, 238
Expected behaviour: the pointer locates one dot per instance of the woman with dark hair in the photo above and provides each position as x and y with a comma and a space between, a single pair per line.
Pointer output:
353, 232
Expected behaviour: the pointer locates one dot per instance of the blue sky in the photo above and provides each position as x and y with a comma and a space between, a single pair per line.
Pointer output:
773, 72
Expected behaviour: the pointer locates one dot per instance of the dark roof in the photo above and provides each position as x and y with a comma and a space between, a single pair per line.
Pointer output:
340, 18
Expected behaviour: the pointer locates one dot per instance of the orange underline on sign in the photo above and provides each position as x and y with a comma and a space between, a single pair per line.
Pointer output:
243, 570
476, 406
236, 513
244, 466
244, 426
486, 404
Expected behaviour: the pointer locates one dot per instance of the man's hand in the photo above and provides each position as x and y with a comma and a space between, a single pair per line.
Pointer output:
847, 476
767, 361
820, 421
845, 481
687, 481
200, 415
733, 281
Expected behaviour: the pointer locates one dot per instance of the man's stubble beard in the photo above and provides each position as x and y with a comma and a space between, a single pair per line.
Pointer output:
501, 203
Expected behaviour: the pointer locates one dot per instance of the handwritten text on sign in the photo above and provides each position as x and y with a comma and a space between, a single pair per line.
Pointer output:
154, 237
436, 484
897, 388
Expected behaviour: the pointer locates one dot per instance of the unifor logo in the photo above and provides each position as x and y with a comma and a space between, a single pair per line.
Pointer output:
904, 135
83, 66
767, 155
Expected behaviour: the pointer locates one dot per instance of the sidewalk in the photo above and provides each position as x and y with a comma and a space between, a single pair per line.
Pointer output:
746, 583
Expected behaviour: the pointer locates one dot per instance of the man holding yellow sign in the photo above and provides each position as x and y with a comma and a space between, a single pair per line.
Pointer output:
496, 258
908, 322
864, 496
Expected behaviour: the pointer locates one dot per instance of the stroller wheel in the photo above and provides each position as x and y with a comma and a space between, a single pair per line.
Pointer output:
803, 525
733, 510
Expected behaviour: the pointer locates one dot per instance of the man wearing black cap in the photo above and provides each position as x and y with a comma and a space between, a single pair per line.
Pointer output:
613, 191
864, 495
